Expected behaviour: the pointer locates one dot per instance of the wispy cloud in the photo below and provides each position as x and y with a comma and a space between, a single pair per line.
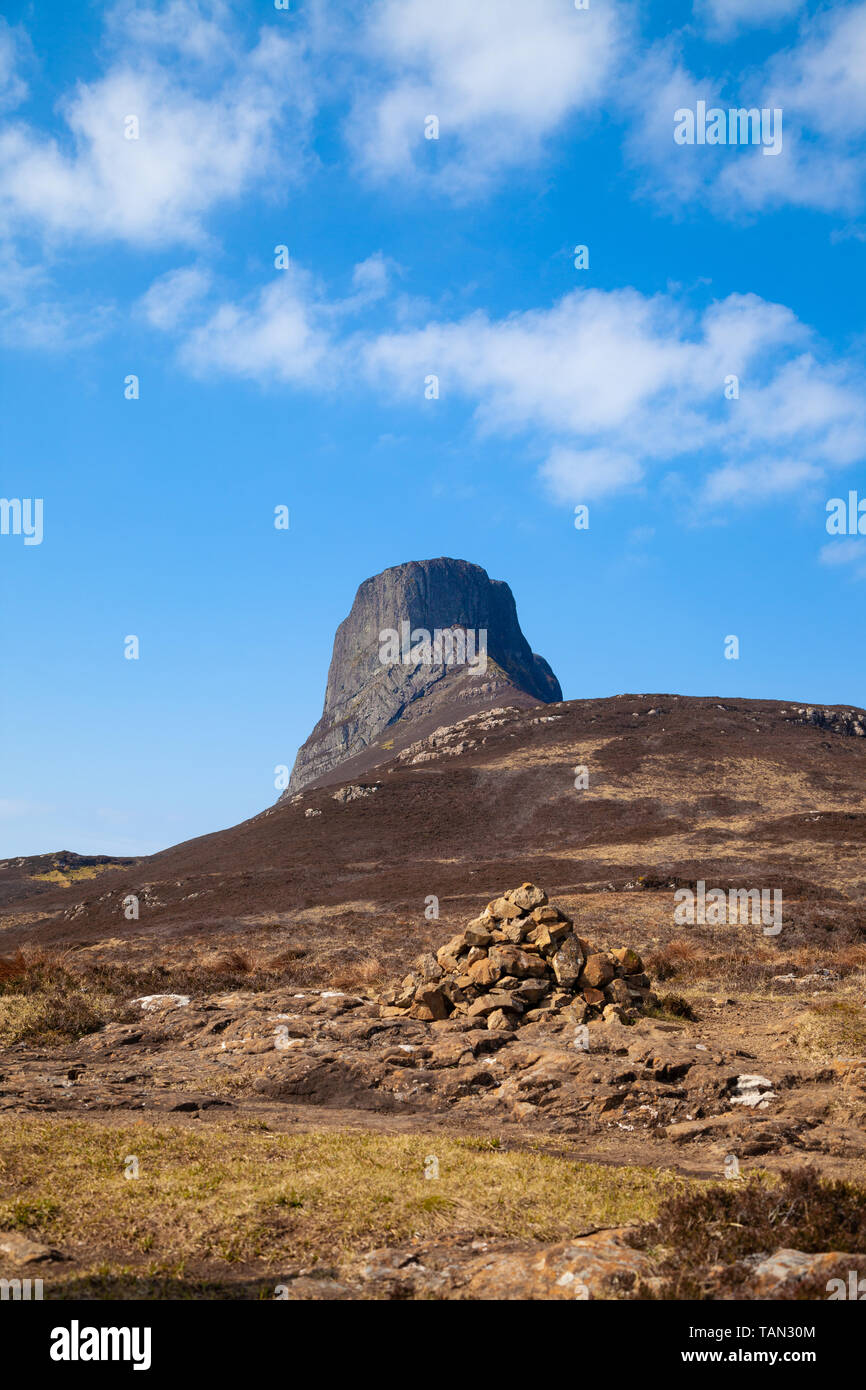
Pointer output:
171, 297
848, 553
281, 334
214, 117
36, 315
623, 383
15, 57
10, 807
605, 387
726, 18
499, 75
816, 83
290, 332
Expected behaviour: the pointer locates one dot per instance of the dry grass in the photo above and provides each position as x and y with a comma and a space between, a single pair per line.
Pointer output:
217, 1198
56, 1016
37, 972
673, 959
42, 1002
48, 997
12, 967
754, 969
363, 975
836, 1028
673, 1006
845, 960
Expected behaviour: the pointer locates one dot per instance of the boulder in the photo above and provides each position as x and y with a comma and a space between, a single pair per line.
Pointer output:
495, 999
513, 961
597, 972
531, 991
618, 992
478, 932
433, 997
452, 991
567, 963
549, 915
778, 1275
548, 936
503, 909
628, 960
448, 955
501, 1019
527, 897
515, 930
428, 967
485, 973
405, 994
22, 1250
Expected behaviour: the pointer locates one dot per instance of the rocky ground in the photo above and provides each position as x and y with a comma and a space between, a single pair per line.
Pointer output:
289, 1008
714, 1096
669, 1095
658, 1092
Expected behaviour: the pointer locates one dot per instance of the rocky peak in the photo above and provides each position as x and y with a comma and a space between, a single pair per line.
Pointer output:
424, 644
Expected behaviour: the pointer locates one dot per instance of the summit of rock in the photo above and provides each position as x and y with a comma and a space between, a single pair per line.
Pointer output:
385, 692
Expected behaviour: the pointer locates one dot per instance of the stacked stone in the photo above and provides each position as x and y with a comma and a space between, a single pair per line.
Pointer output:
520, 961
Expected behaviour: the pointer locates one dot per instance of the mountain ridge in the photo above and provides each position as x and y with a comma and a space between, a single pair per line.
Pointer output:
384, 671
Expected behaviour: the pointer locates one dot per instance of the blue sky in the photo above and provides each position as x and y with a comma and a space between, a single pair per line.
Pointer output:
304, 386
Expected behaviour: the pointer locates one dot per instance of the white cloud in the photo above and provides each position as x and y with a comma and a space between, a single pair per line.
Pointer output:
819, 86
725, 18
589, 473
606, 386
822, 78
846, 553
371, 277
197, 29
500, 75
817, 83
171, 297
282, 335
208, 132
580, 366
14, 47
759, 479
217, 116
288, 332
620, 383
34, 315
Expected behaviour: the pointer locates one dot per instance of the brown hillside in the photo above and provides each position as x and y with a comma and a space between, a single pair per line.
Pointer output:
739, 793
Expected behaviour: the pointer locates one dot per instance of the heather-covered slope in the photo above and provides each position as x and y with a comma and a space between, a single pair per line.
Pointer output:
743, 793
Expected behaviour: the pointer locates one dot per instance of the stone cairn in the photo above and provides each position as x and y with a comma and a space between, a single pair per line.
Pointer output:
520, 962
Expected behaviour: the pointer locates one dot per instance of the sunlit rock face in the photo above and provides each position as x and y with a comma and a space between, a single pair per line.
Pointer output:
426, 638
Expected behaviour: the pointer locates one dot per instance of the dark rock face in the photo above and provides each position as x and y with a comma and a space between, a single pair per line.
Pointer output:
374, 682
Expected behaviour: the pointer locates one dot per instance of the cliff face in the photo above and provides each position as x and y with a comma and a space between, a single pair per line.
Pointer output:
376, 681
